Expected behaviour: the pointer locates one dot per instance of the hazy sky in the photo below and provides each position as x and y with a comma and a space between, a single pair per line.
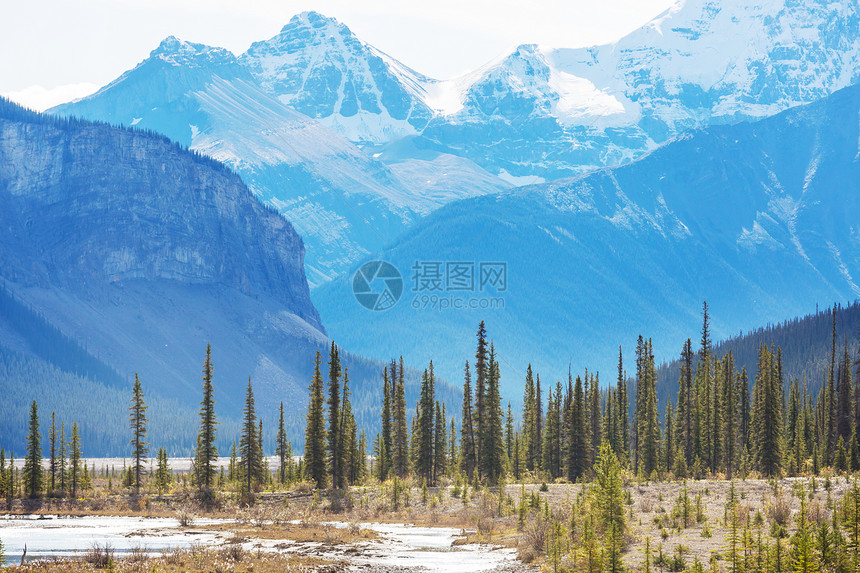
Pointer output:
55, 50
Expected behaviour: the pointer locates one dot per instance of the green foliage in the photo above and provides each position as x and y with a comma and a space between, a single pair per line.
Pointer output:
139, 445
314, 459
206, 453
803, 558
33, 473
163, 476
249, 448
609, 505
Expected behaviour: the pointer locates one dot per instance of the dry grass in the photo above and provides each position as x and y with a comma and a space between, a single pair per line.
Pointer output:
302, 532
229, 559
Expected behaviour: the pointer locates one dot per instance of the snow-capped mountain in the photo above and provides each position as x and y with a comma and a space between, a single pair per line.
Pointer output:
759, 219
343, 202
317, 66
353, 146
550, 111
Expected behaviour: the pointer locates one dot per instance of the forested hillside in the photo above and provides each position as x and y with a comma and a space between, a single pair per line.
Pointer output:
806, 344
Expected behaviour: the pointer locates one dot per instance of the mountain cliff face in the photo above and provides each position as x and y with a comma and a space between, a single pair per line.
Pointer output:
759, 219
136, 253
107, 205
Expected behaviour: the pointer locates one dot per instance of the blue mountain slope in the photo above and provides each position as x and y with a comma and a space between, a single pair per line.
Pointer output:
136, 253
343, 202
759, 219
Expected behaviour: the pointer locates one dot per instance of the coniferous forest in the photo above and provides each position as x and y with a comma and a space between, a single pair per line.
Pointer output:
728, 429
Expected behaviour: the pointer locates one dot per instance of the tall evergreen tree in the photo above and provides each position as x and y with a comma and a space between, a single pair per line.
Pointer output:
623, 411
139, 445
249, 449
509, 434
538, 423
387, 447
283, 449
334, 394
577, 454
492, 457
33, 476
75, 460
594, 416
686, 403
440, 446
730, 415
53, 466
314, 458
530, 417
400, 439
468, 454
426, 426
767, 415
348, 444
62, 455
481, 373
162, 472
845, 405
551, 437
206, 454
647, 418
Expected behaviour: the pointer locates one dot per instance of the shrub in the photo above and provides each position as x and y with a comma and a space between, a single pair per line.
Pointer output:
99, 556
779, 510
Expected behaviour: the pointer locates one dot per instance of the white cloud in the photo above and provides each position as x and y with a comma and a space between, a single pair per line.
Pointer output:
40, 98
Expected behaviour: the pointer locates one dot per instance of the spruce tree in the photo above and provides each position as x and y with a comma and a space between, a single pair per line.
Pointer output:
52, 468
492, 457
686, 403
479, 417
385, 462
623, 411
75, 460
767, 415
426, 426
550, 437
468, 455
577, 453
530, 444
206, 454
139, 445
803, 556
33, 476
594, 417
283, 448
333, 401
609, 506
400, 458
252, 463
315, 458
440, 444
348, 444
162, 472
62, 455
730, 416
647, 419
3, 480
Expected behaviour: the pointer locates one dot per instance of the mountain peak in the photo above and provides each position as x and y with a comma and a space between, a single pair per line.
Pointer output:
313, 19
182, 53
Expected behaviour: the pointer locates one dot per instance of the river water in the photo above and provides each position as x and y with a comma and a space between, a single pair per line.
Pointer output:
400, 547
